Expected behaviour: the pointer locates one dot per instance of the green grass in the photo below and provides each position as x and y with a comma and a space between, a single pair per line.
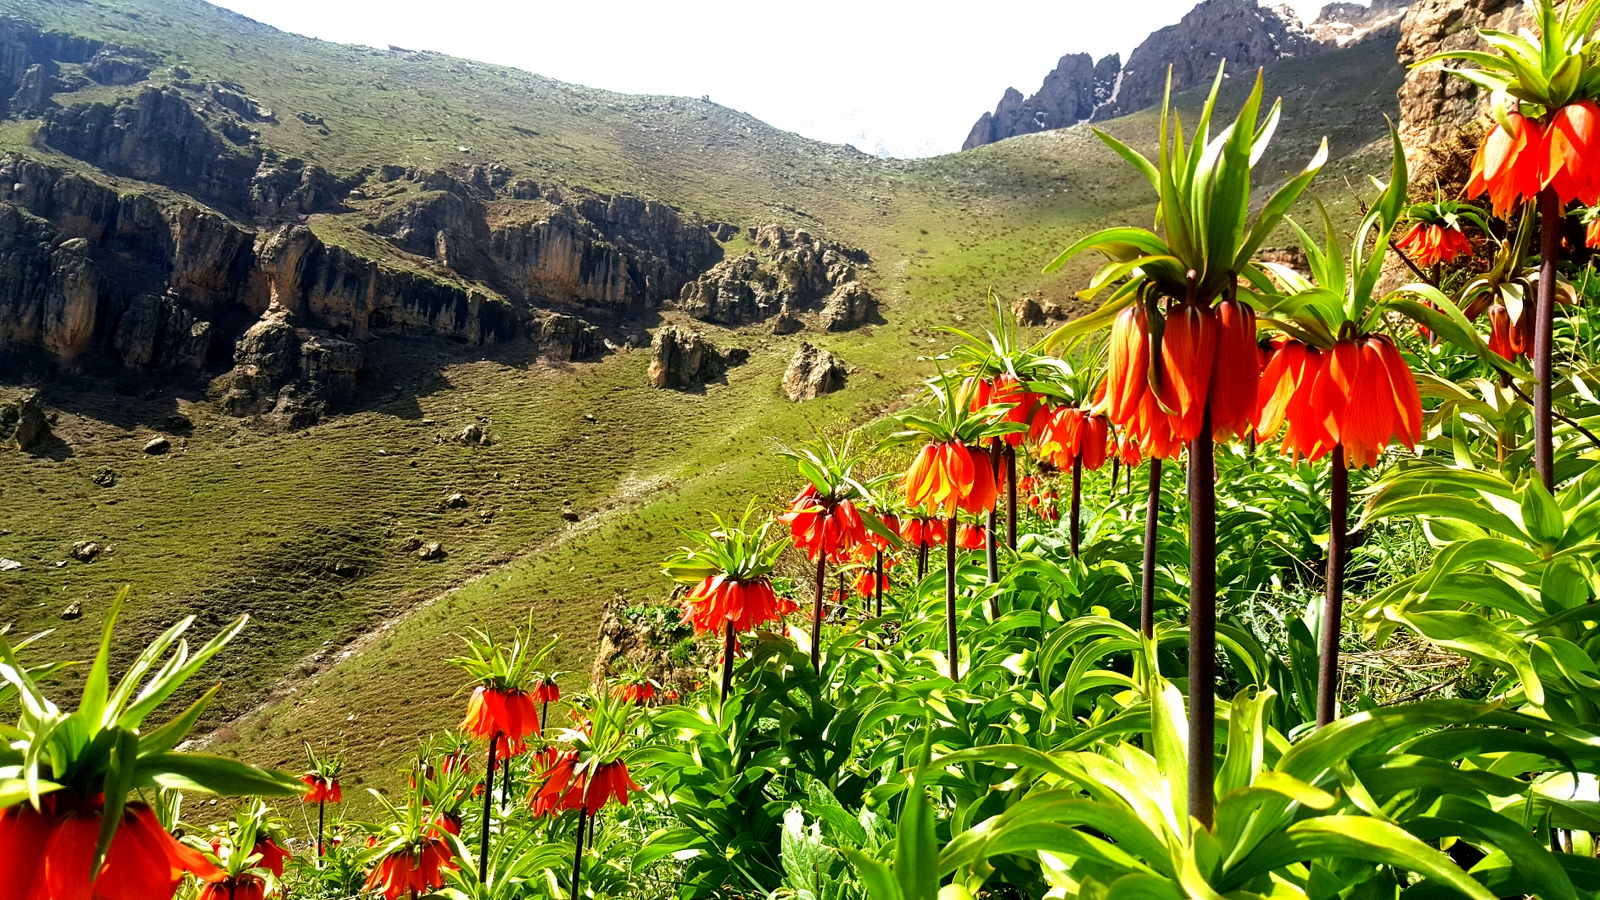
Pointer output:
307, 531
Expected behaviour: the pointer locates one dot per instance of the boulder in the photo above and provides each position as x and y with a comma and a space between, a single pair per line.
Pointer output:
812, 373
85, 551
851, 304
431, 552
24, 421
157, 445
288, 375
473, 436
73, 611
680, 358
1033, 312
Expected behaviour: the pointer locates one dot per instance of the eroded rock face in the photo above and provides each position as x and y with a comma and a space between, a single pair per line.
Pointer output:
1244, 33
794, 272
51, 294
157, 137
23, 423
812, 373
680, 358
1442, 116
162, 332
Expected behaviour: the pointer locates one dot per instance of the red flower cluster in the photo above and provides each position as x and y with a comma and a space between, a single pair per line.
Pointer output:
747, 604
511, 714
272, 856
1360, 394
565, 788
47, 854
1514, 164
1428, 244
972, 537
923, 532
243, 886
951, 476
1067, 434
319, 789
1004, 388
865, 581
546, 691
636, 692
1208, 354
411, 872
824, 526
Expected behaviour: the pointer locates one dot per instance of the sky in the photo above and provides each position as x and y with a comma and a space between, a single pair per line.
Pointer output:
892, 78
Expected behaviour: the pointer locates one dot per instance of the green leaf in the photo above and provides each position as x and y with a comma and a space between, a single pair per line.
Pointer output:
916, 855
1354, 837
173, 732
118, 781
212, 775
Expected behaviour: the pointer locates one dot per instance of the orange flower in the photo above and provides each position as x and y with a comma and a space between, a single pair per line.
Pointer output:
46, 854
864, 583
1128, 452
951, 476
1591, 235
562, 788
1128, 374
635, 692
970, 537
321, 789
1428, 244
272, 856
511, 714
1507, 338
923, 532
546, 691
826, 526
411, 872
1574, 164
1188, 355
1510, 164
1004, 388
243, 886
1368, 397
748, 605
1235, 372
610, 782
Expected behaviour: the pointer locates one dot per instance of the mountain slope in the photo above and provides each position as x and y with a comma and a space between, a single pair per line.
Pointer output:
311, 530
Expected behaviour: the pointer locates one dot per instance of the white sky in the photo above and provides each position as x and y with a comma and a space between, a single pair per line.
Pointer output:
899, 78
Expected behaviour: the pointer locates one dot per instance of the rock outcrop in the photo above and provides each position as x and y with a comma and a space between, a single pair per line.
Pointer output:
287, 374
35, 64
792, 271
1244, 33
23, 423
52, 295
1443, 116
812, 373
680, 358
1034, 312
1070, 94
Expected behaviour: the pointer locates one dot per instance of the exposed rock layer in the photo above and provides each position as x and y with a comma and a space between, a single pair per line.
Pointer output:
812, 373
791, 272
680, 358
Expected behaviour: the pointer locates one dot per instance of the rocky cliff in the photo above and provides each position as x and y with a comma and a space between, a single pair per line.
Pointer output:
1442, 117
1244, 33
790, 274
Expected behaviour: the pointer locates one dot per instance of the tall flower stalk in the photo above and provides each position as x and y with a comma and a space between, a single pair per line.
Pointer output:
500, 710
951, 474
1544, 149
322, 786
592, 773
729, 570
1194, 383
823, 519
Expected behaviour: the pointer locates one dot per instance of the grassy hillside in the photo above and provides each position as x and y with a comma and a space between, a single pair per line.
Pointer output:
309, 532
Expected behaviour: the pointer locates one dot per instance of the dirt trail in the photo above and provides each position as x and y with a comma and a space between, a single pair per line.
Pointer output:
629, 496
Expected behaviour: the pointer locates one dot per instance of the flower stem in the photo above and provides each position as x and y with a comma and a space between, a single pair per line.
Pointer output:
1147, 575
1333, 599
1550, 222
877, 584
488, 809
922, 562
1202, 624
950, 600
577, 852
991, 544
727, 662
1077, 503
320, 805
1116, 470
1011, 497
816, 613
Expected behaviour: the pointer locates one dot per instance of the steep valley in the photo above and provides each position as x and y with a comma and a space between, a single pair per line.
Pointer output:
496, 247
